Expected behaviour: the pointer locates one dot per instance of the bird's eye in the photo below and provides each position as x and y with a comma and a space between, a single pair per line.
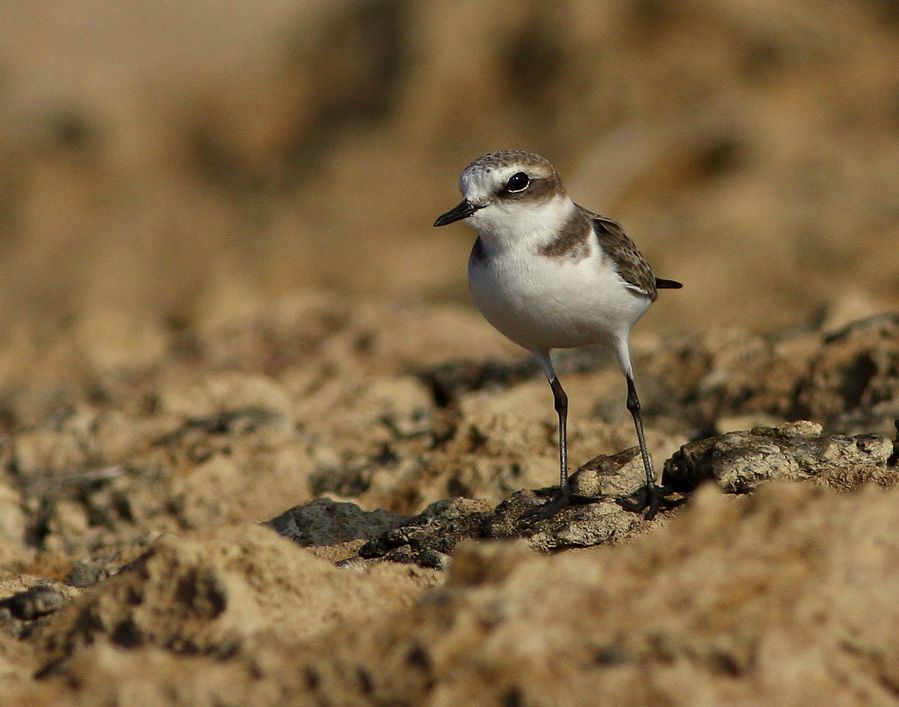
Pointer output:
518, 182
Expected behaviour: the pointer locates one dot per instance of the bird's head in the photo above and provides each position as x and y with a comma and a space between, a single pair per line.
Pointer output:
511, 194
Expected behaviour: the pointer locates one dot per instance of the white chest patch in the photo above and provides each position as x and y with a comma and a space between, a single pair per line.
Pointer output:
542, 302
507, 227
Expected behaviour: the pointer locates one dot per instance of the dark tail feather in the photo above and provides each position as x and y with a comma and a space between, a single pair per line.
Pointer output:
668, 284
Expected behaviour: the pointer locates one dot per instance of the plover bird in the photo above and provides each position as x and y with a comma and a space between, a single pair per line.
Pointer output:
549, 274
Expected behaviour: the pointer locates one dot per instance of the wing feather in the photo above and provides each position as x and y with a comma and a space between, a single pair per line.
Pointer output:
621, 250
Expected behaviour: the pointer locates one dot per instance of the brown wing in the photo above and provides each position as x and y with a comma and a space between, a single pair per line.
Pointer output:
620, 249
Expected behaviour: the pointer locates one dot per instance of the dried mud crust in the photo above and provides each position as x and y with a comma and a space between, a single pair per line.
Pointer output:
739, 461
141, 517
784, 592
147, 520
190, 443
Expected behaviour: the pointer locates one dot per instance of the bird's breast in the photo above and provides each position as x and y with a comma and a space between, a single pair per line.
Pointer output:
542, 302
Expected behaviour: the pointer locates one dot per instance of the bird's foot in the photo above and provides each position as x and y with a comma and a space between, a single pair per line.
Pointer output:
563, 498
649, 500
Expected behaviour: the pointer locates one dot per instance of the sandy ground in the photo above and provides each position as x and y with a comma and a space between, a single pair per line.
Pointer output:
257, 447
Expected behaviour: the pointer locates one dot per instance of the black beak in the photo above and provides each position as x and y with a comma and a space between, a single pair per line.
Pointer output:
463, 210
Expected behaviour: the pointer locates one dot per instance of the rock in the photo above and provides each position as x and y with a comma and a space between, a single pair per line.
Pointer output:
739, 461
427, 538
611, 474
577, 526
27, 603
326, 522
853, 381
84, 573
89, 570
33, 603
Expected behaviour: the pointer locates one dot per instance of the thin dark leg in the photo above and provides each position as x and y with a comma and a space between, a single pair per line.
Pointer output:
633, 404
564, 496
651, 497
561, 405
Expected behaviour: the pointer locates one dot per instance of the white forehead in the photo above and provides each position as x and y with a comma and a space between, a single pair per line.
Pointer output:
479, 183
487, 175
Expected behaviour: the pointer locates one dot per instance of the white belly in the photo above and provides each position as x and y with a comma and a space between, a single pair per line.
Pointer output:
543, 303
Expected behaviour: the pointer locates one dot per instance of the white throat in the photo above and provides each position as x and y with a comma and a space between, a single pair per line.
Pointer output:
511, 225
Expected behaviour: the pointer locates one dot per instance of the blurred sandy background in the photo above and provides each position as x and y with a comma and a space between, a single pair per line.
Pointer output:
166, 165
222, 302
